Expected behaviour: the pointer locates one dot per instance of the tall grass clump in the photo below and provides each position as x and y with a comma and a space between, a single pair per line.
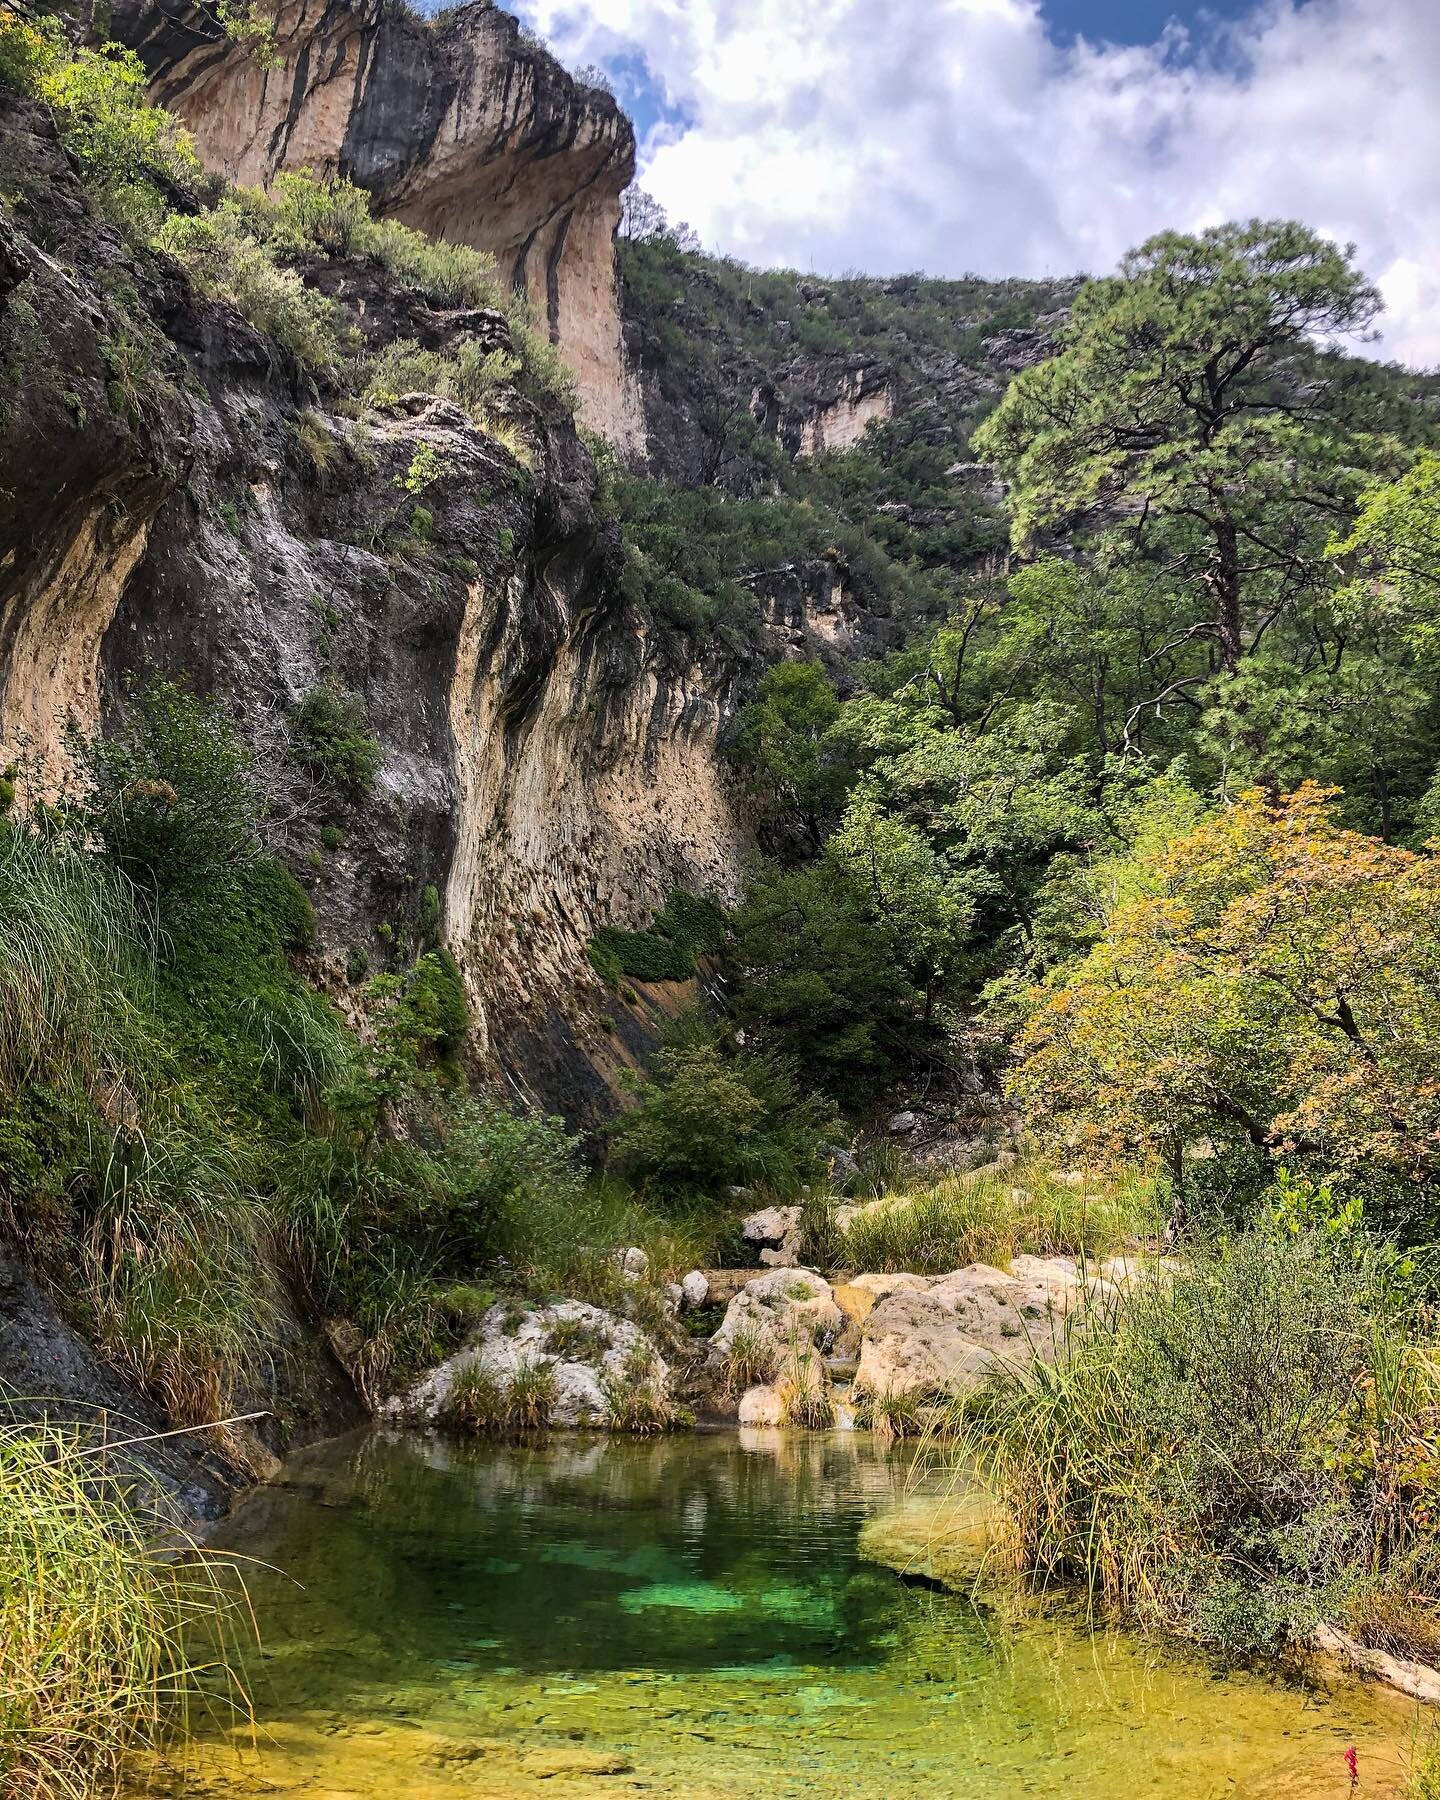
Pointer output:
96, 1629
1236, 1452
76, 961
990, 1218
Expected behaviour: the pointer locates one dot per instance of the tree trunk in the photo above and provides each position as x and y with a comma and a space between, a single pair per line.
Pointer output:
1225, 583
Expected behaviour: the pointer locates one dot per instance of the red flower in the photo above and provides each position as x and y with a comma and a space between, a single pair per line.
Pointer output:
1352, 1763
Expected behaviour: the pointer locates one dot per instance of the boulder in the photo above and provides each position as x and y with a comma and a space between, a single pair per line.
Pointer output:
695, 1288
843, 1165
634, 1262
901, 1122
762, 1406
919, 1343
784, 1304
593, 1348
942, 1333
771, 1225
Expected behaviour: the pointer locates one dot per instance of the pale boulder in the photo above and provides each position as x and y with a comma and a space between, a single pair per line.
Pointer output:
919, 1342
509, 1339
762, 1406
783, 1304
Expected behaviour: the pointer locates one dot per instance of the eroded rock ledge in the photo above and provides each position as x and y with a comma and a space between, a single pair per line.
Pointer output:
462, 127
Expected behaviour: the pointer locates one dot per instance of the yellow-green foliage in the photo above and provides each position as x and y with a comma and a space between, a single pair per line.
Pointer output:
128, 152
229, 264
1270, 985
96, 1629
990, 1217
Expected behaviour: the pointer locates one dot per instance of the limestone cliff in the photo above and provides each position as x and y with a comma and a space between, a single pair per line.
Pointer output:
176, 495
460, 126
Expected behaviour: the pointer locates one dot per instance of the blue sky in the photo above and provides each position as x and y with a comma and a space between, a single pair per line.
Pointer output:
1030, 137
1134, 21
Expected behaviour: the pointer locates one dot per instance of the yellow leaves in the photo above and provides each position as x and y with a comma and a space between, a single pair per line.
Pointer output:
1277, 976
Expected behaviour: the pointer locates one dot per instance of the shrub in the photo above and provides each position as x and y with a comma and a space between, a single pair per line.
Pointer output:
819, 978
1237, 1452
703, 1121
890, 1415
803, 1387
531, 1396
687, 927
129, 154
639, 1405
330, 736
170, 793
228, 263
95, 1624
476, 1401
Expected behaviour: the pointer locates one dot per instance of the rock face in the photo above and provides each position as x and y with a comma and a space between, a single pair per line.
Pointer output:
460, 126
48, 1370
863, 396
549, 761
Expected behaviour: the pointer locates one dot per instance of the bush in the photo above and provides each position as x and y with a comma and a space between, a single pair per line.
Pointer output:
687, 927
1236, 1452
704, 1121
228, 263
130, 154
481, 1401
169, 792
819, 979
330, 736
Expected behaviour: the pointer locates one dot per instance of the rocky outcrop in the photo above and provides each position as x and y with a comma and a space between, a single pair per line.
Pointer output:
459, 125
549, 762
48, 1371
941, 1335
837, 420
594, 1363
895, 1337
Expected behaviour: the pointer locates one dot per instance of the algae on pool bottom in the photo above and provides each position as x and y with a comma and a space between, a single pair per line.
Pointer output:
692, 1617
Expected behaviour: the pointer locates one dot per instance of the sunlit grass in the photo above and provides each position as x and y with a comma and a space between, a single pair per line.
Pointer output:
984, 1217
98, 1629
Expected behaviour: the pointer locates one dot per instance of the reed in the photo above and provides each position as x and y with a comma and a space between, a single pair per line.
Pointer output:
99, 1632
1235, 1452
981, 1217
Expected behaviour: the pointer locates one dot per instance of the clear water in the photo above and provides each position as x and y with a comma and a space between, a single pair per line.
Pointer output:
692, 1617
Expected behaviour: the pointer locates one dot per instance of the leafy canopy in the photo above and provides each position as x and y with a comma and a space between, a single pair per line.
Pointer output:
1190, 411
1268, 981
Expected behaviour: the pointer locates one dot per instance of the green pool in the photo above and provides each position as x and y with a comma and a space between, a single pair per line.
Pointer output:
691, 1616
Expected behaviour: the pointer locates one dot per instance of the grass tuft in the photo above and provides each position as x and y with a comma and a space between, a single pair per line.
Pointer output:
96, 1627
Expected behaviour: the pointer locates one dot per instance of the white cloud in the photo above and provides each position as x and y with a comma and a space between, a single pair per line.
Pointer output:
956, 136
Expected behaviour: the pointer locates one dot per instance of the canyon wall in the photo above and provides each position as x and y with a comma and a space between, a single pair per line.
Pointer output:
462, 127
550, 761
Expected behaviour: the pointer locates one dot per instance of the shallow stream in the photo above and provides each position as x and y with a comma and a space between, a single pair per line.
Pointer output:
691, 1617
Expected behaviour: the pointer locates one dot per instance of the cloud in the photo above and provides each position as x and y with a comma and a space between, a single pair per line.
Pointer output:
956, 136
